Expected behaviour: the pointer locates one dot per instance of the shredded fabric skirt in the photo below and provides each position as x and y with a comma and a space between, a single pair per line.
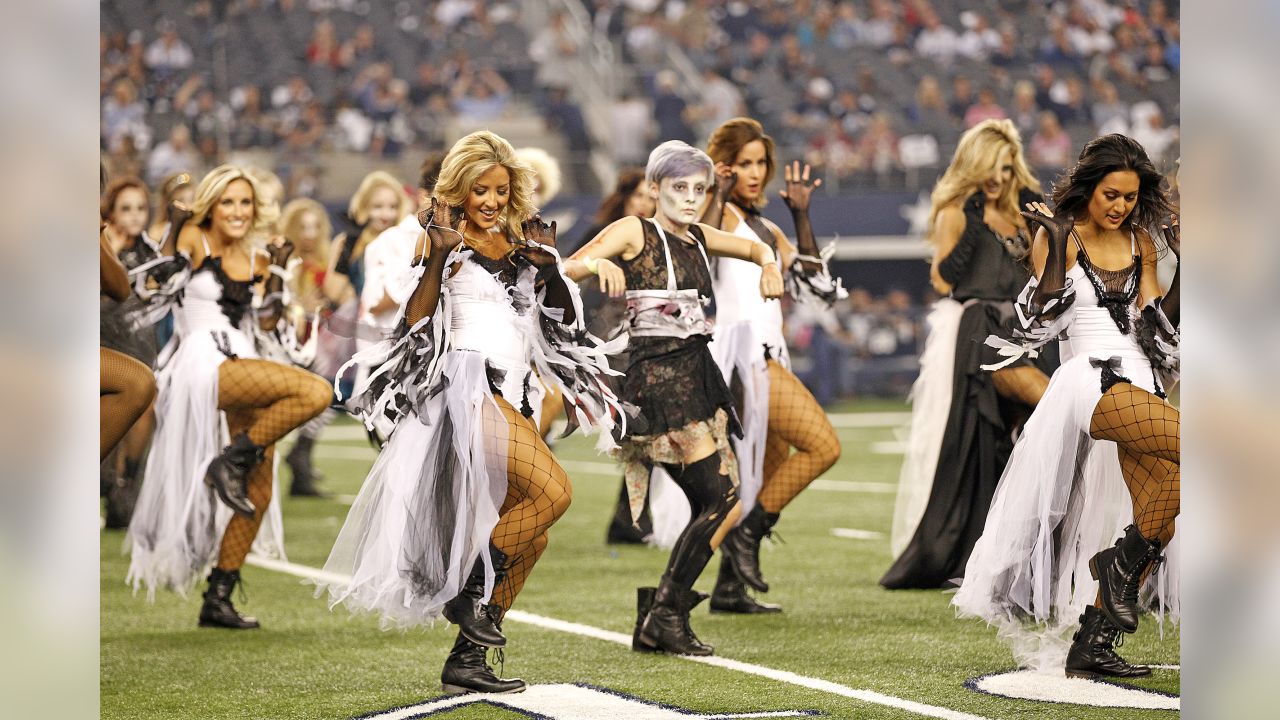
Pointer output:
178, 522
428, 506
742, 357
930, 404
1061, 499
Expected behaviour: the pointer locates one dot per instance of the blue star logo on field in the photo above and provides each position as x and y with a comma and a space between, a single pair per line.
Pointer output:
570, 702
1057, 688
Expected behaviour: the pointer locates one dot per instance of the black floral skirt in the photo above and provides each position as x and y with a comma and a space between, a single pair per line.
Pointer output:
674, 382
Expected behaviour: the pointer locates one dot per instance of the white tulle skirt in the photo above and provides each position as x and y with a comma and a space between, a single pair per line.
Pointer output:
428, 506
1060, 500
178, 522
930, 406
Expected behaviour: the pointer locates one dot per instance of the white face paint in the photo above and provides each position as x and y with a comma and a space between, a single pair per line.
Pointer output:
680, 198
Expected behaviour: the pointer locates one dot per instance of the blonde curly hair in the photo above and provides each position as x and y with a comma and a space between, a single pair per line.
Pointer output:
973, 162
475, 155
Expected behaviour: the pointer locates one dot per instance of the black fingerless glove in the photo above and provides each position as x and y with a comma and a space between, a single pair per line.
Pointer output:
954, 266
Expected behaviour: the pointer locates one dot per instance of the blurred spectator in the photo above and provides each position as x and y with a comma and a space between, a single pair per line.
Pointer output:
631, 128
426, 83
209, 121
123, 114
553, 49
1109, 113
173, 155
1050, 147
361, 50
937, 41
979, 40
962, 97
986, 108
877, 31
324, 50
721, 101
481, 96
563, 115
669, 109
168, 54
833, 151
1149, 130
1154, 67
253, 126
847, 29
1024, 113
929, 114
878, 147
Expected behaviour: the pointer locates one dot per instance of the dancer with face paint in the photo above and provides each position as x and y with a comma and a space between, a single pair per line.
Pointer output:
457, 508
963, 417
214, 387
779, 413
686, 409
1102, 426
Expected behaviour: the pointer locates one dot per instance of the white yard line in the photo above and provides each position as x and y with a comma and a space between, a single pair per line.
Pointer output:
889, 447
547, 623
869, 419
854, 486
856, 534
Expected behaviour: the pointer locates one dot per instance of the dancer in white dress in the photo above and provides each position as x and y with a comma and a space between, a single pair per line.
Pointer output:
213, 388
1102, 427
455, 511
778, 412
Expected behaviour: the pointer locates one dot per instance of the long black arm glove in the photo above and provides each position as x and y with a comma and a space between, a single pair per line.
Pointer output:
955, 265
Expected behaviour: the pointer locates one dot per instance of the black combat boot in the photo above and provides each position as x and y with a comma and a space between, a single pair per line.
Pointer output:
1118, 571
217, 610
1093, 654
467, 609
122, 495
730, 594
229, 472
742, 547
666, 626
466, 671
304, 475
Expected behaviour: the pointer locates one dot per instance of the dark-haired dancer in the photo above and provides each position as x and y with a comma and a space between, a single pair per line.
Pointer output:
779, 413
962, 416
686, 408
1103, 425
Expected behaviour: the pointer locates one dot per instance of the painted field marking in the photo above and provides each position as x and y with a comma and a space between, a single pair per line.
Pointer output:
855, 486
855, 534
1031, 685
868, 419
783, 676
889, 447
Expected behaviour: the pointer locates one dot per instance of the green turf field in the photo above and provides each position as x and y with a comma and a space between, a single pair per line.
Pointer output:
839, 625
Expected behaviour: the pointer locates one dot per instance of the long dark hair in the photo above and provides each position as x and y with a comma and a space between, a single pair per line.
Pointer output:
1115, 153
613, 207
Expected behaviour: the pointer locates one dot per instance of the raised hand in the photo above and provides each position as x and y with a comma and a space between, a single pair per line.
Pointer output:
726, 179
544, 234
1057, 228
444, 227
1173, 236
798, 188
279, 250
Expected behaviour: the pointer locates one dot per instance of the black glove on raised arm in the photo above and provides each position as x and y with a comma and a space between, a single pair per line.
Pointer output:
956, 264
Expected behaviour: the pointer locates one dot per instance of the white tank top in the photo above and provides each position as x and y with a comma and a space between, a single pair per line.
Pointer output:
1092, 331
737, 287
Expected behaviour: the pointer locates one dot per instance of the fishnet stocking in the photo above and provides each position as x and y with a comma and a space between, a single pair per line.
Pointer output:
238, 538
1137, 421
538, 493
283, 397
795, 420
1155, 486
1025, 384
126, 389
